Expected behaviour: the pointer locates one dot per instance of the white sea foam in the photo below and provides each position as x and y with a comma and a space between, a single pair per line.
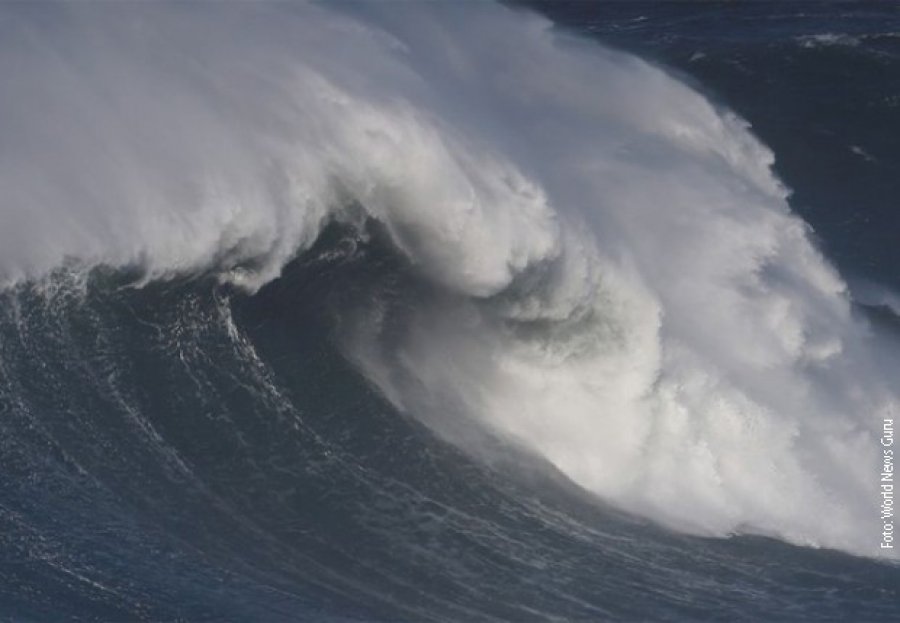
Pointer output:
828, 39
623, 289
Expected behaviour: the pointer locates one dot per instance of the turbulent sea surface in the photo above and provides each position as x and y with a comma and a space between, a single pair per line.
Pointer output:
448, 311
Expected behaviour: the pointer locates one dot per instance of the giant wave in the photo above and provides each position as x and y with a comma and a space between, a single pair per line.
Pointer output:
607, 274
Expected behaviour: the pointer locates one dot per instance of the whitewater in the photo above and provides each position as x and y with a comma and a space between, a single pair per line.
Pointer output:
611, 279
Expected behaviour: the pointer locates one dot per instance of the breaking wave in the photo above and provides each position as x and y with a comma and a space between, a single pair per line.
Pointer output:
604, 271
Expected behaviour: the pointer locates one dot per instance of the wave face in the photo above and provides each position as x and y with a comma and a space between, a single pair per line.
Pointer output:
409, 312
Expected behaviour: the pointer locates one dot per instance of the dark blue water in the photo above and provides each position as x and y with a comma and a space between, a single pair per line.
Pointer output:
186, 452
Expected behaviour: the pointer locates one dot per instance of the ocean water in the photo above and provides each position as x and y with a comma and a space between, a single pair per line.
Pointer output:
448, 311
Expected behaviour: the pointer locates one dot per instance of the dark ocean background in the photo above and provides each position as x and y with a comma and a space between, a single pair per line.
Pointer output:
188, 452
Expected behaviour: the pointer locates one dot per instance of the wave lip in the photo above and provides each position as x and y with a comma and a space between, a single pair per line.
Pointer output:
615, 280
